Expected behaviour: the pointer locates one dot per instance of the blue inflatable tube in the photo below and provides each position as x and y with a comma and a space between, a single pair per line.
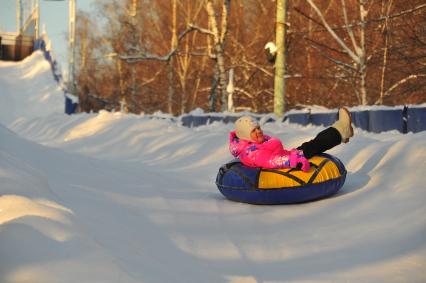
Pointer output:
246, 184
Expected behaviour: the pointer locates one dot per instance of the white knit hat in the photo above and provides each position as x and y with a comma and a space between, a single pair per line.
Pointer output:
244, 126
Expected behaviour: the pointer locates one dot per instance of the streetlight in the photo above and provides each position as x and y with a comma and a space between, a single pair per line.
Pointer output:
19, 13
71, 44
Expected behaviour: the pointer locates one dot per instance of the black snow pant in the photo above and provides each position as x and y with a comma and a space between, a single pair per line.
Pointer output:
325, 140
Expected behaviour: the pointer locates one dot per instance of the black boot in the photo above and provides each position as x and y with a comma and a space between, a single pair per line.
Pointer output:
325, 140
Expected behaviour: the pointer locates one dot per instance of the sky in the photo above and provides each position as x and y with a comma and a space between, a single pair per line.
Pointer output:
54, 15
114, 197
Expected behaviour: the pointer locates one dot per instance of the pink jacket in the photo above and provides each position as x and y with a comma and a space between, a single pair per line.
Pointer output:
269, 154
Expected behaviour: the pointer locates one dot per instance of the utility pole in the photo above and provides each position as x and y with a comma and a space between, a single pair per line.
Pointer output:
37, 20
170, 74
19, 12
71, 48
279, 82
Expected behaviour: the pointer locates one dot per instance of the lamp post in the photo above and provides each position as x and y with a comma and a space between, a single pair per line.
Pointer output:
19, 16
71, 47
71, 43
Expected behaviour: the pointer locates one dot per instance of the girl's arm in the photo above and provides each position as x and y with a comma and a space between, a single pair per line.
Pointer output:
288, 159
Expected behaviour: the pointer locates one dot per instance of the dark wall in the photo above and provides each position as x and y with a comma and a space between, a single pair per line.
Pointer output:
15, 48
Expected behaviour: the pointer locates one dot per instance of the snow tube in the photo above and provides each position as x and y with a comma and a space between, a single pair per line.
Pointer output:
281, 186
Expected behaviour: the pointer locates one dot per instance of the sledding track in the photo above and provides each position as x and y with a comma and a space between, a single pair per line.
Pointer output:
123, 198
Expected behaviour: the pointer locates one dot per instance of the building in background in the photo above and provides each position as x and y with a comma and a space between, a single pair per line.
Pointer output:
15, 46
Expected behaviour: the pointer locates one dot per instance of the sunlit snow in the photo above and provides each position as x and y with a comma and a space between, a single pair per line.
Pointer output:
114, 197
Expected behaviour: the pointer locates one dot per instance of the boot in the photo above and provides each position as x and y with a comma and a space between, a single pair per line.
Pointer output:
344, 125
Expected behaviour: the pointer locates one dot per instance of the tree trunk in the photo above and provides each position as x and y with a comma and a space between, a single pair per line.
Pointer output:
219, 49
358, 54
385, 51
120, 77
213, 90
362, 55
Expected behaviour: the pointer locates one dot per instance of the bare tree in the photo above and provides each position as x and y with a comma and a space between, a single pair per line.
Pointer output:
175, 55
219, 35
357, 53
404, 64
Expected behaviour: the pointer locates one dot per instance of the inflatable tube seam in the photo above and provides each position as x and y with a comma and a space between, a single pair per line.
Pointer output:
257, 189
318, 170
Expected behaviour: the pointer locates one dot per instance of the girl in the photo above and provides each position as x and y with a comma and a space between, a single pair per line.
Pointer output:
255, 149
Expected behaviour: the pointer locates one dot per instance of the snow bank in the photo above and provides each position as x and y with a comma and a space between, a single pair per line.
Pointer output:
145, 191
28, 89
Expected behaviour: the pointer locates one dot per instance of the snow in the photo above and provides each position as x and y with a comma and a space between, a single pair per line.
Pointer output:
27, 88
114, 197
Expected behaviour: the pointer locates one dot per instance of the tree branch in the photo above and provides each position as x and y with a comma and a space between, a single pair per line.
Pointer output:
243, 91
165, 58
258, 67
383, 18
398, 83
333, 34
335, 61
402, 13
201, 30
349, 28
324, 46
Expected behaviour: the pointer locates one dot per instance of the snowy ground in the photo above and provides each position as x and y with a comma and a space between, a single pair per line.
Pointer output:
125, 198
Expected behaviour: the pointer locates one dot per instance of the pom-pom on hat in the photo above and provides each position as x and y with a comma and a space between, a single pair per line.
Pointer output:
244, 126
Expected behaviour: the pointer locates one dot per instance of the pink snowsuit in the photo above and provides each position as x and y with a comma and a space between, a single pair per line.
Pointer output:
269, 154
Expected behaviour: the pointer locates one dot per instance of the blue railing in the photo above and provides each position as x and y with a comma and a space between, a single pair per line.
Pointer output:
70, 102
404, 119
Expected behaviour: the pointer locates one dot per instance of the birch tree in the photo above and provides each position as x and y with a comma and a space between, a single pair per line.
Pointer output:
409, 76
353, 43
171, 55
356, 50
186, 70
251, 28
219, 35
386, 7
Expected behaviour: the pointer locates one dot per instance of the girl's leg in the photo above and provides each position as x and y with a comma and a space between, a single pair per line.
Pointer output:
325, 140
340, 131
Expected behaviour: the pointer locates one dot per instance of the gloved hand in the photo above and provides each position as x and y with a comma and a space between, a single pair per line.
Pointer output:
298, 160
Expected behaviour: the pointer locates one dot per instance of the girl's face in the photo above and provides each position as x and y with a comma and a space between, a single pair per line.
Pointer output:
257, 135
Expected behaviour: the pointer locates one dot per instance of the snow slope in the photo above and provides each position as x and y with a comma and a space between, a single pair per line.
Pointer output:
110, 197
27, 89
